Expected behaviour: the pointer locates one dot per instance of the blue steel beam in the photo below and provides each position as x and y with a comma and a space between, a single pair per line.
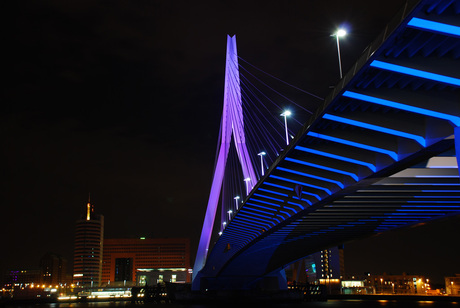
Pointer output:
339, 208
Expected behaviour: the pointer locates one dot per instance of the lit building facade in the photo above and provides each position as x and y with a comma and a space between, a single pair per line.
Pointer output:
23, 277
329, 263
54, 269
397, 284
124, 258
89, 240
453, 285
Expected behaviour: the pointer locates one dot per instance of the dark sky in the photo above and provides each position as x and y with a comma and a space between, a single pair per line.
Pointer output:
123, 99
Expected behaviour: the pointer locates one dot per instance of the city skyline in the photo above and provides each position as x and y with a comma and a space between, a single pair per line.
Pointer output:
124, 102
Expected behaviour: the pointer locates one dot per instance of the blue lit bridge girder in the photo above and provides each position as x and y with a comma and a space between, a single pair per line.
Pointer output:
365, 160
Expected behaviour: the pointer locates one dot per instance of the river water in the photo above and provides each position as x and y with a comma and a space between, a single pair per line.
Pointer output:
327, 304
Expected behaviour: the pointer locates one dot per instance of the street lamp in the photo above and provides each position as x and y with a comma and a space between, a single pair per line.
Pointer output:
285, 114
261, 154
236, 201
247, 185
229, 214
338, 34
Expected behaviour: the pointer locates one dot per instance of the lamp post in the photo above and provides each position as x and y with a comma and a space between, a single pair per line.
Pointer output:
229, 212
247, 185
285, 114
261, 154
338, 34
236, 201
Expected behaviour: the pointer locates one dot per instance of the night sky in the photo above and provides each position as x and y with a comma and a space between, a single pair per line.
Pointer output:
122, 99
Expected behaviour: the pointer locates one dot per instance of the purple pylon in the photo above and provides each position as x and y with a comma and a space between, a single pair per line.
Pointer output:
232, 122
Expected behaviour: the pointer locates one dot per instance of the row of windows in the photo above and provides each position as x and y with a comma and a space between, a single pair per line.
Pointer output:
89, 249
147, 252
88, 229
142, 248
144, 245
148, 257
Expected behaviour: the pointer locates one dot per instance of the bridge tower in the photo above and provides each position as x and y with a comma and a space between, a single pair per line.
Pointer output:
232, 124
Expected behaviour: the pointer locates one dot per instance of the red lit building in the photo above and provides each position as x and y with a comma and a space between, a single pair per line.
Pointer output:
122, 258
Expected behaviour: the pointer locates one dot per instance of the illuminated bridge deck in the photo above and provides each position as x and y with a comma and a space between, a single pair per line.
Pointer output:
361, 162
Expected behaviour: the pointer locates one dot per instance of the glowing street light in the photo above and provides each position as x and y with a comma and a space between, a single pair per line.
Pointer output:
285, 114
247, 185
229, 214
338, 34
236, 201
261, 154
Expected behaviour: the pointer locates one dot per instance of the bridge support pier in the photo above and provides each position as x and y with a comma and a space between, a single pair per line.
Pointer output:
274, 282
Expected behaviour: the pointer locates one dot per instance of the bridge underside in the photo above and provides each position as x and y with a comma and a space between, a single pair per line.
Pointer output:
362, 165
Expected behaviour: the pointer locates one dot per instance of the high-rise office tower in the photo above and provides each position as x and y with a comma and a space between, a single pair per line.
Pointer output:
89, 240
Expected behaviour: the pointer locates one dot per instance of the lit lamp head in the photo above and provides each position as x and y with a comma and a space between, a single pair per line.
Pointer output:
261, 153
229, 211
237, 197
340, 32
286, 113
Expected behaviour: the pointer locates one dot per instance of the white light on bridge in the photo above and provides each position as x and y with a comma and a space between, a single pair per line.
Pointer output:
229, 212
236, 201
286, 114
246, 180
261, 154
338, 34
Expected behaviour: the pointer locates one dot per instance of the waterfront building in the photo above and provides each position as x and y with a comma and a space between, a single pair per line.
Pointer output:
89, 239
23, 277
453, 284
54, 269
329, 263
152, 277
398, 284
124, 259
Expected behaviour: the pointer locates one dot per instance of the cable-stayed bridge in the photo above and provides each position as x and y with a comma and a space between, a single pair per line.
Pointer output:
381, 152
